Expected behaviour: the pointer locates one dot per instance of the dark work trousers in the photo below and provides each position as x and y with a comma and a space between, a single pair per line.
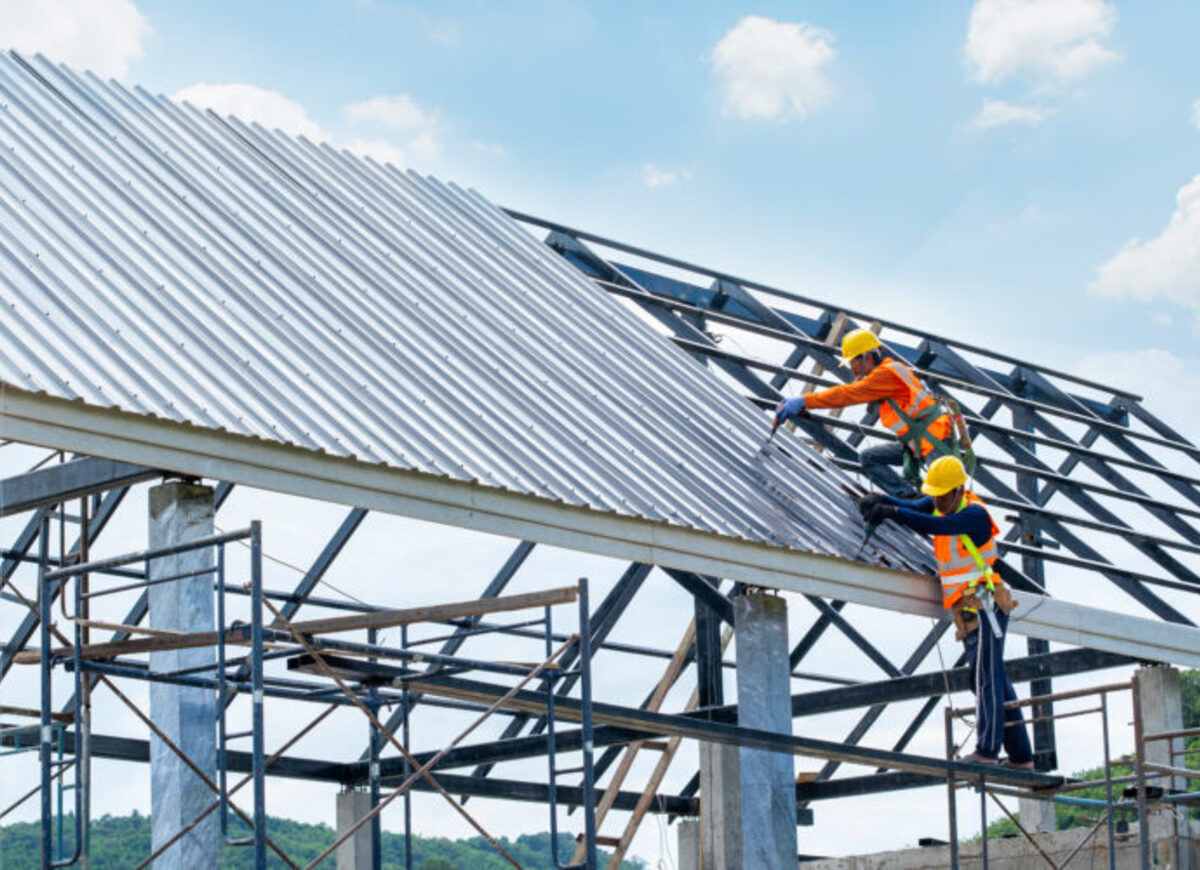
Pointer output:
878, 464
992, 688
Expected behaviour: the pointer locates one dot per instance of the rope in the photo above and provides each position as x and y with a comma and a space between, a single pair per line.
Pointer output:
299, 570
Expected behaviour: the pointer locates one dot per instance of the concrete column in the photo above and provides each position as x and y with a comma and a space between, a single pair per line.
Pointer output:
765, 702
1161, 708
720, 807
355, 853
688, 832
181, 512
1037, 817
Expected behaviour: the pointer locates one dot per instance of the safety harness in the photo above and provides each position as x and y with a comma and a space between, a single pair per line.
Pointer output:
918, 430
966, 607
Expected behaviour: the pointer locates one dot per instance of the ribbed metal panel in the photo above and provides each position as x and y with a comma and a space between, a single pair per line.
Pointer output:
167, 262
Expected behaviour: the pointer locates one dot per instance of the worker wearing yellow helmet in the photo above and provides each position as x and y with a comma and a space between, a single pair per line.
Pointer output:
964, 544
905, 407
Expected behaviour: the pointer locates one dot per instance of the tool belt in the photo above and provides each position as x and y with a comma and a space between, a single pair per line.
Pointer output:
965, 611
966, 615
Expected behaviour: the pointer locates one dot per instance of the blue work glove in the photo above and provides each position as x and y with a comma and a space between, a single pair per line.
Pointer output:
792, 409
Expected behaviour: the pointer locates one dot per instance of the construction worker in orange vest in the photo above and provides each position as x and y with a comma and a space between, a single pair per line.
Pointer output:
905, 407
964, 543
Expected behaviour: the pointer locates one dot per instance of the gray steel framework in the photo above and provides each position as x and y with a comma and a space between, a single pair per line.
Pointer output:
1093, 480
695, 310
1027, 392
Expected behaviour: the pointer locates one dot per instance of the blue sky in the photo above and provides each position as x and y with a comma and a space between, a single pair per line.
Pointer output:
1017, 173
852, 163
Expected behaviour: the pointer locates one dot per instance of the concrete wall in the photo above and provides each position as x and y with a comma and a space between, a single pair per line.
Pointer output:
1008, 854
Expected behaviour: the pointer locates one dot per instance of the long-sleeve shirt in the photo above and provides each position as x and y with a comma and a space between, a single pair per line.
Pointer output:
973, 520
880, 383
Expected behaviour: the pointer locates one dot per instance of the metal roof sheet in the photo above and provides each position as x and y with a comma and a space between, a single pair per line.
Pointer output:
170, 263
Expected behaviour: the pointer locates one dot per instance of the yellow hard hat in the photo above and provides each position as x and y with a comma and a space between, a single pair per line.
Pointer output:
945, 474
857, 342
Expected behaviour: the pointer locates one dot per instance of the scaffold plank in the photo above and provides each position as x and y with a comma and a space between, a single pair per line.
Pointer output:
329, 625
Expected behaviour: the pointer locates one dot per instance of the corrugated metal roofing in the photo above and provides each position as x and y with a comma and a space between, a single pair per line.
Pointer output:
167, 262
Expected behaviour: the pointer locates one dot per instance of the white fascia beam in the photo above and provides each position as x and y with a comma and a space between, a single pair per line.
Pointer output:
72, 425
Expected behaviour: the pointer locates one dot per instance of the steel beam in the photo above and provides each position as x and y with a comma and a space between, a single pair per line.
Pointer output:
807, 704
316, 770
687, 726
68, 480
286, 469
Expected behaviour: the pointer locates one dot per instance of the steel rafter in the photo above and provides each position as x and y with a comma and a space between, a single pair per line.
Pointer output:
1028, 392
29, 624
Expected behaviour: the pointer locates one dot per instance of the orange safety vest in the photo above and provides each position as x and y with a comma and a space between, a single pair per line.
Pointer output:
917, 400
960, 568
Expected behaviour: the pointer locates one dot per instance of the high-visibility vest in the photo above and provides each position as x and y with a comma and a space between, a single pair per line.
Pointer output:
917, 400
961, 564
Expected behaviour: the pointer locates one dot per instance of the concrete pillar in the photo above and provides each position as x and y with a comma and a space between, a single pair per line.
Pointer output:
355, 853
720, 807
765, 702
181, 512
689, 844
1161, 708
1037, 817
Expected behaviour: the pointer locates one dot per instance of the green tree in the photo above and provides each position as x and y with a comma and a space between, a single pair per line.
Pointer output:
121, 842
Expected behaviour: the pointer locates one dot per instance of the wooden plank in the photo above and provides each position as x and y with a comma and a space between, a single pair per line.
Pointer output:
130, 629
835, 332
436, 612
656, 777
377, 619
670, 675
5, 710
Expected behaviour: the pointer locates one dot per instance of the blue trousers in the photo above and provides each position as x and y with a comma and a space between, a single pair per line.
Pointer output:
877, 464
992, 688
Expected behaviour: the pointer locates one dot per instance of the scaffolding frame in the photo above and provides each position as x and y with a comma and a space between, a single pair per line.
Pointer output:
303, 643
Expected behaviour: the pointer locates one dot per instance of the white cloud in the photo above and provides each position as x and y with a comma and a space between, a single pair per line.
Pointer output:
997, 113
415, 130
773, 70
100, 35
400, 112
656, 176
379, 149
1159, 376
1196, 114
1167, 265
1051, 41
252, 103
490, 149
